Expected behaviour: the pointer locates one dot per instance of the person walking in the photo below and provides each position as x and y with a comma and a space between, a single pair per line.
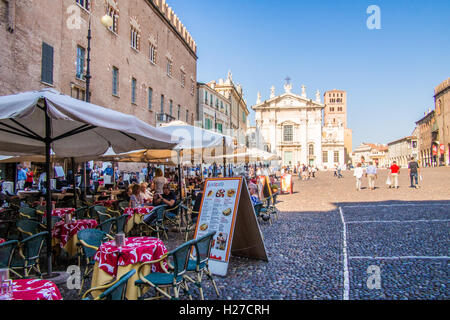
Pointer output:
395, 172
339, 172
359, 172
414, 170
371, 173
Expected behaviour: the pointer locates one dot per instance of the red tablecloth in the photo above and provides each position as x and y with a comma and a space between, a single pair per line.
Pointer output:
61, 212
63, 232
132, 211
136, 250
35, 289
106, 203
2, 240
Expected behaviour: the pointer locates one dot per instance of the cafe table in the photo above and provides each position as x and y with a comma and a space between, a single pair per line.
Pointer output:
65, 235
35, 289
61, 196
113, 262
25, 194
135, 216
61, 212
106, 203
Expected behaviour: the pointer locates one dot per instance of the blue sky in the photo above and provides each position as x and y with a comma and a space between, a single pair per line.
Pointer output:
389, 74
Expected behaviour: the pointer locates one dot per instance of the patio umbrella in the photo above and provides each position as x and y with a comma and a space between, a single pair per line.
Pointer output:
37, 121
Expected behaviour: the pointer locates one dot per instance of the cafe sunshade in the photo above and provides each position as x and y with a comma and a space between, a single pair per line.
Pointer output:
36, 122
77, 128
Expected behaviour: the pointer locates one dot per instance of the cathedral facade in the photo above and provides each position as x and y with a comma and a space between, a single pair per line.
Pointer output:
293, 127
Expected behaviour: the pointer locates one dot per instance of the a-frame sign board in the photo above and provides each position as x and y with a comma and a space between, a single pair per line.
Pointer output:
227, 209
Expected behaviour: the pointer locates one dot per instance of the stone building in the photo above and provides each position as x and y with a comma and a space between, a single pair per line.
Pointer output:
371, 152
442, 109
213, 109
402, 150
292, 128
145, 64
238, 106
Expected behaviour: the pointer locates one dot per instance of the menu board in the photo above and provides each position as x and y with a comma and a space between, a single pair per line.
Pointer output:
218, 213
286, 184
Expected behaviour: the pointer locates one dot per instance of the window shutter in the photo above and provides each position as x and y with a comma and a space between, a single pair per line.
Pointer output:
47, 64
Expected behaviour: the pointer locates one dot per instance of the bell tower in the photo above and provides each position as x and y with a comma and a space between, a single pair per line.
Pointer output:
336, 107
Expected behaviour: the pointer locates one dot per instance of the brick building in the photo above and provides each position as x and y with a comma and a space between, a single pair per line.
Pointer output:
145, 64
442, 107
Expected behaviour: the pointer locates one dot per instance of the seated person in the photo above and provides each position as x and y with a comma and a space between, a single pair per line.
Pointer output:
135, 199
146, 196
197, 204
253, 189
166, 198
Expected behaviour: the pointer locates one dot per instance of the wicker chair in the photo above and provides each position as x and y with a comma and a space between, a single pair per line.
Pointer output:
29, 254
7, 252
173, 279
113, 291
199, 265
89, 240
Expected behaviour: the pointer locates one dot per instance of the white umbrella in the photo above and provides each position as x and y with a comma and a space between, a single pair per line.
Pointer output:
35, 122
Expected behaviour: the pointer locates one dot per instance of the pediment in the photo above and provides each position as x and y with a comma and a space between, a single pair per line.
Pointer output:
289, 100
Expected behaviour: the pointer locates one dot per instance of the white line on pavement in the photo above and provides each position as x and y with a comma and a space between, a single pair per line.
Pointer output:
400, 258
346, 274
394, 221
398, 205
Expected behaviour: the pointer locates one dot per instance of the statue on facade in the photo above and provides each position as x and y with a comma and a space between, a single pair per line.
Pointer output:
318, 96
258, 99
272, 92
303, 91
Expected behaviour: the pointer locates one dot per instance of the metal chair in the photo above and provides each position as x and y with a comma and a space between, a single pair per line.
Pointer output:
89, 240
7, 250
173, 279
199, 265
107, 225
261, 213
29, 253
113, 291
154, 221
27, 227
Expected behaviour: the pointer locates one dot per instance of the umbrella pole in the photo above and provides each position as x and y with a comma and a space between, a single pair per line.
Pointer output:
49, 191
74, 184
224, 159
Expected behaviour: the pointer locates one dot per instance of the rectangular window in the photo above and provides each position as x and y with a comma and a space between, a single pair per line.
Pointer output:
150, 98
288, 133
152, 53
179, 112
170, 107
325, 156
208, 124
336, 156
206, 97
84, 4
135, 39
187, 116
80, 62
133, 90
183, 79
169, 68
114, 14
47, 64
219, 127
115, 81
162, 104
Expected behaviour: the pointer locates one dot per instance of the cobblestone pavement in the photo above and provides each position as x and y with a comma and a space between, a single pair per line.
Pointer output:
402, 234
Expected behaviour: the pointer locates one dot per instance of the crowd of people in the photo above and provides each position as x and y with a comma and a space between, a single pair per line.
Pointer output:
371, 173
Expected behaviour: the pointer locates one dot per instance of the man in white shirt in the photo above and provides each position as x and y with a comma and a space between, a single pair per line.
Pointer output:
359, 173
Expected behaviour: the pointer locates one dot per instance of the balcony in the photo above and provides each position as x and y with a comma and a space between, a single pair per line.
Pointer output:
162, 118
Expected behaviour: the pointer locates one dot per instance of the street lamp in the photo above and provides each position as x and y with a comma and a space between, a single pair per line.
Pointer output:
106, 21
